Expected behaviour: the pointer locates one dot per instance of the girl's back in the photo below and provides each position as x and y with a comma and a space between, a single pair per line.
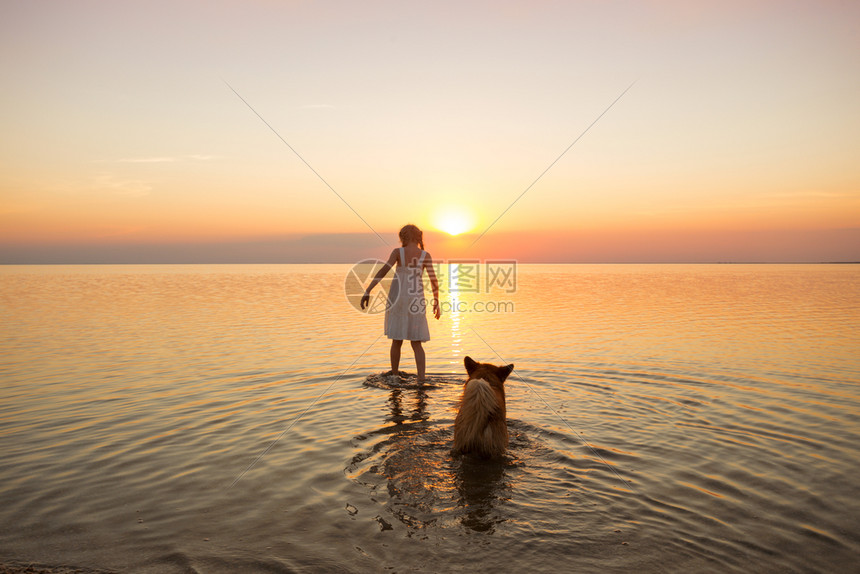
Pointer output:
411, 253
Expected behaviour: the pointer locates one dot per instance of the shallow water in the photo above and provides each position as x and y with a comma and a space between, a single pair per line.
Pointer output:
214, 419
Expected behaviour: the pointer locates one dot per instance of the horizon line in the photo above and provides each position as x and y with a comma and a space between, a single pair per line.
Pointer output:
655, 262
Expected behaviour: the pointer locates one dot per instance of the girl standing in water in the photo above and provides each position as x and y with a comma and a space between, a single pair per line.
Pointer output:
405, 318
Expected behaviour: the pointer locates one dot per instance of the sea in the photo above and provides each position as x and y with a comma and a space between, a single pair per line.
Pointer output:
218, 418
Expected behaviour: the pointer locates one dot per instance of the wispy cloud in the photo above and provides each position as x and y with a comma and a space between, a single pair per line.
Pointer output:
161, 158
804, 195
158, 159
108, 182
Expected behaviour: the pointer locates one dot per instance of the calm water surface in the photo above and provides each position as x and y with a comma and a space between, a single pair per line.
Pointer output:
214, 419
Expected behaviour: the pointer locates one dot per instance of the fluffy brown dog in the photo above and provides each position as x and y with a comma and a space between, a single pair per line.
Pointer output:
480, 427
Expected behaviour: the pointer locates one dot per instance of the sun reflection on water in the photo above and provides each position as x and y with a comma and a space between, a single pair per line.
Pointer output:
453, 308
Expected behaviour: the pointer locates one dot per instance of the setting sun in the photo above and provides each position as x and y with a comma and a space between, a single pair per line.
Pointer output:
453, 220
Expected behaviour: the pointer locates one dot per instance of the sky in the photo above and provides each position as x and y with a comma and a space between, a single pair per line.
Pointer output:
569, 131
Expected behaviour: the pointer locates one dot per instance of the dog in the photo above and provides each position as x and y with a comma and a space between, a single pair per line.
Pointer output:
480, 426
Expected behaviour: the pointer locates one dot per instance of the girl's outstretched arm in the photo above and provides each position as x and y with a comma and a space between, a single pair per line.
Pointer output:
434, 285
365, 299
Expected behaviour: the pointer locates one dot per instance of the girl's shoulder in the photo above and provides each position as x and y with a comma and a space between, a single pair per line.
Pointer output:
394, 256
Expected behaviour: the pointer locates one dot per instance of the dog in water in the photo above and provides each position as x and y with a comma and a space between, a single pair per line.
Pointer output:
480, 427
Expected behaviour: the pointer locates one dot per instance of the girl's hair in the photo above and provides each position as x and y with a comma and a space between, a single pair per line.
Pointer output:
411, 233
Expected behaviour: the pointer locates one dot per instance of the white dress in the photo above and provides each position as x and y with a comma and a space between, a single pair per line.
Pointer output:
405, 317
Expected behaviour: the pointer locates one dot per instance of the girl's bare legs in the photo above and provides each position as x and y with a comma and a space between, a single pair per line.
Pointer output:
419, 358
395, 355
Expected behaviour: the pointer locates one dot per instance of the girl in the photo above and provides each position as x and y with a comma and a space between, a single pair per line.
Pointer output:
404, 315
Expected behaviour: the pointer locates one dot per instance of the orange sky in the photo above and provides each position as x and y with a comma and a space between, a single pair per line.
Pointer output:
739, 139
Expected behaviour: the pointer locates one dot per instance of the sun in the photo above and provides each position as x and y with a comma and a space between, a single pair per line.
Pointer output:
453, 220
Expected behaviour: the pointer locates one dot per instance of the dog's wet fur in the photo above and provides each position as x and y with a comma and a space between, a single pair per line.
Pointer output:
481, 427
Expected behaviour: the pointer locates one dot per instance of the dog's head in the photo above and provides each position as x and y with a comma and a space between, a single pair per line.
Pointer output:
486, 371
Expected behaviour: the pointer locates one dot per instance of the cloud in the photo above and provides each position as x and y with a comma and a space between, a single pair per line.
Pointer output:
107, 182
805, 194
159, 159
164, 158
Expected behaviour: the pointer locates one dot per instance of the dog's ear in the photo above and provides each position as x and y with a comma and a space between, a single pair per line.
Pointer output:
471, 365
503, 372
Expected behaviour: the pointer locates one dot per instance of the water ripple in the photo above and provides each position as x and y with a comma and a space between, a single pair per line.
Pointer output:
662, 419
